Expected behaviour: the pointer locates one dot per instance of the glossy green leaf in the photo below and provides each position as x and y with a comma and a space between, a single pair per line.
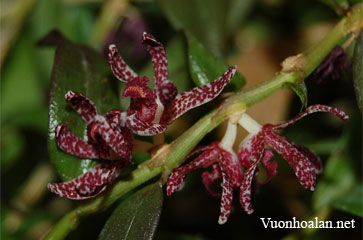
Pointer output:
351, 201
137, 217
204, 67
358, 71
84, 70
300, 90
212, 22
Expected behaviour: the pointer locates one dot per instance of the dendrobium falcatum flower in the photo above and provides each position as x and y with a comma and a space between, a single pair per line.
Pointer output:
224, 164
253, 150
151, 111
108, 139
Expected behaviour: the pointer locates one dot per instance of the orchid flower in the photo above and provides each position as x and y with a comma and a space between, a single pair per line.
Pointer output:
151, 111
225, 165
253, 150
108, 139
221, 157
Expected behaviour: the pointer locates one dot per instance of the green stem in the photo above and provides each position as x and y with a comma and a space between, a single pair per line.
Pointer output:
180, 147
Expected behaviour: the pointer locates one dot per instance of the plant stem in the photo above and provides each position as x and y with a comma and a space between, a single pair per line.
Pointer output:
180, 147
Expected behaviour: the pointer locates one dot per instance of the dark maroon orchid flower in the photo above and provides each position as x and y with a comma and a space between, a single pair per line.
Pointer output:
253, 150
108, 139
151, 111
224, 164
332, 67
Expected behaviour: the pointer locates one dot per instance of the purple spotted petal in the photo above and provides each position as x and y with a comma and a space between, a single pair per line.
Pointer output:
226, 199
313, 158
114, 139
176, 178
71, 144
311, 109
208, 178
245, 189
251, 149
143, 128
118, 66
88, 185
198, 96
164, 88
82, 105
230, 166
303, 168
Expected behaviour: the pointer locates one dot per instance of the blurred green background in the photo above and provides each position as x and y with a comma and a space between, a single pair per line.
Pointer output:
255, 35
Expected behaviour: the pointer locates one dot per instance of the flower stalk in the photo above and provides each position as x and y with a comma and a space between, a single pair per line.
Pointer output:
180, 147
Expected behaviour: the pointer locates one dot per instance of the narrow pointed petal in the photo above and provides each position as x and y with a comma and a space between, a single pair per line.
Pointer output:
230, 166
209, 178
199, 95
312, 109
176, 178
88, 185
226, 200
313, 158
200, 150
71, 144
270, 166
164, 88
303, 168
118, 66
245, 189
82, 105
114, 138
143, 128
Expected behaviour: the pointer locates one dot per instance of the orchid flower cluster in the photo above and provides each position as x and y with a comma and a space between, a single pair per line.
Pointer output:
110, 136
254, 149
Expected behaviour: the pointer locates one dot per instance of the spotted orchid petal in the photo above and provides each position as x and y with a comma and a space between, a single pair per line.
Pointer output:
251, 149
118, 66
176, 178
313, 158
251, 152
82, 105
199, 95
311, 109
303, 168
245, 189
164, 88
226, 199
71, 144
88, 185
230, 165
143, 128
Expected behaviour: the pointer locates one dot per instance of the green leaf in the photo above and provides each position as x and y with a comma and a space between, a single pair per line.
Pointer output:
338, 175
204, 67
137, 217
20, 86
358, 71
351, 201
84, 70
300, 90
212, 22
